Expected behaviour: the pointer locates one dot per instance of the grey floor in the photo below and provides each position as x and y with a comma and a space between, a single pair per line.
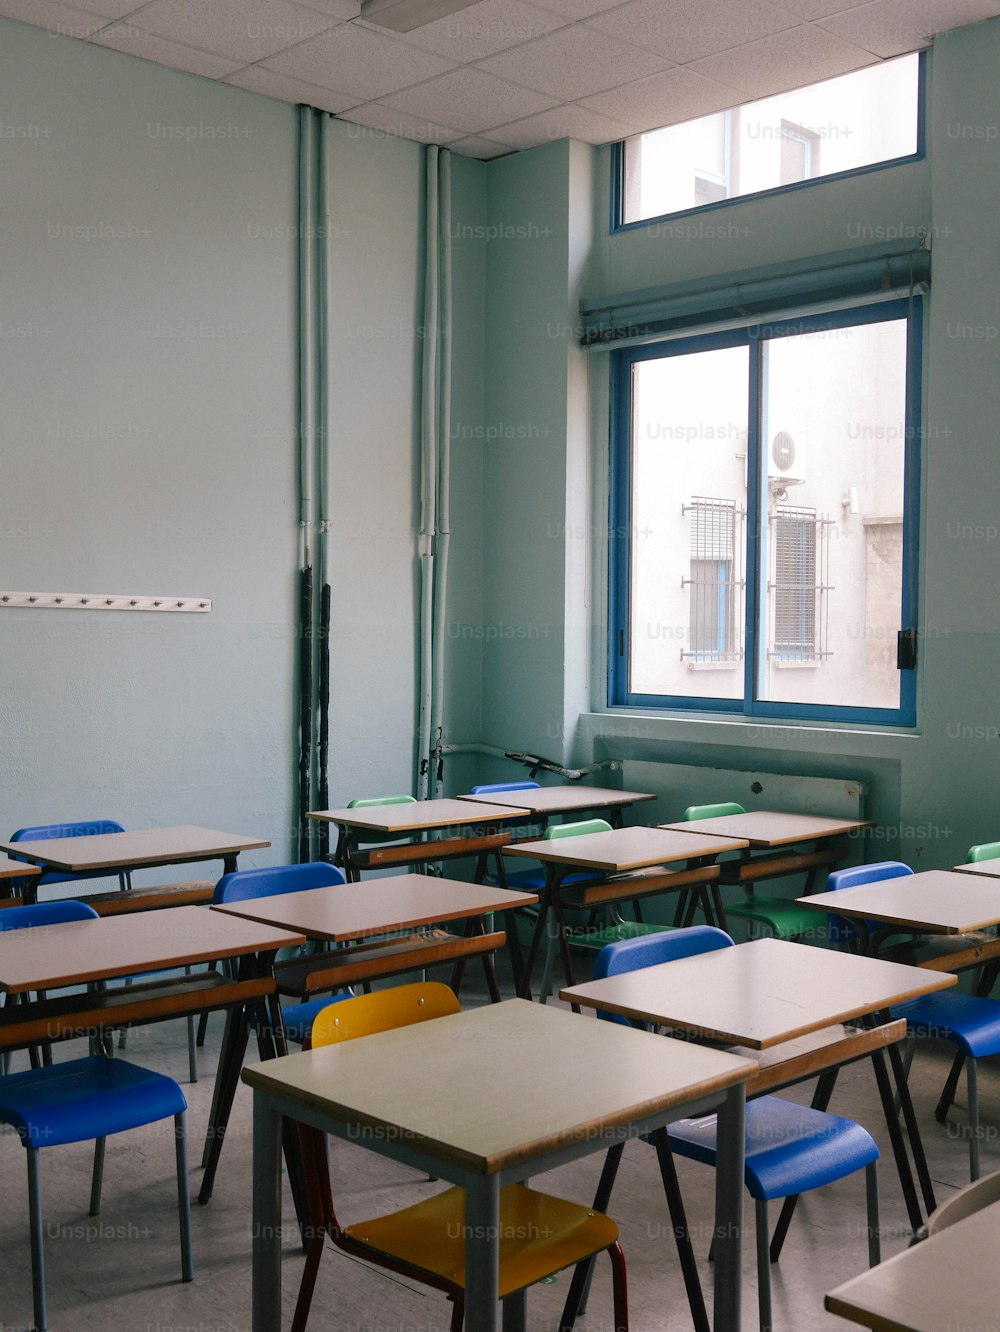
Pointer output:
121, 1270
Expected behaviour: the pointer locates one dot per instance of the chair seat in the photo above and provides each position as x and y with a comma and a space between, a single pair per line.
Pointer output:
790, 1148
972, 1023
85, 1099
786, 918
533, 881
539, 1235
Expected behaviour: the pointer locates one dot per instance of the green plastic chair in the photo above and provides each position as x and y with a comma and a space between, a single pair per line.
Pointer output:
620, 928
985, 851
367, 838
779, 917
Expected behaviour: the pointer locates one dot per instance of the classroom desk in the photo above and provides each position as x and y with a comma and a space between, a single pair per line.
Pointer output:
988, 869
143, 849
354, 912
623, 851
13, 869
485, 1098
546, 801
768, 992
51, 957
948, 1283
411, 820
932, 902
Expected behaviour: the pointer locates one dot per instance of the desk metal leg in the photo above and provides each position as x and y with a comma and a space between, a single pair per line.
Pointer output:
515, 1312
896, 1138
266, 1285
482, 1253
912, 1128
729, 1186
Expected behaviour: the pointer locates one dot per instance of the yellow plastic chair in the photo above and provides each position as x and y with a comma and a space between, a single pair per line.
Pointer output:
540, 1234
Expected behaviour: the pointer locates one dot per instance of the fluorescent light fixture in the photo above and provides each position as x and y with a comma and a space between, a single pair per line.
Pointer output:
405, 15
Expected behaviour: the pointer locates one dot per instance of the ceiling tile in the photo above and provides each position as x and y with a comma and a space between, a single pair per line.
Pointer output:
340, 9
358, 62
147, 46
664, 99
573, 62
762, 68
469, 100
375, 121
110, 8
48, 14
814, 9
473, 146
683, 30
562, 122
247, 30
579, 9
483, 29
890, 27
284, 89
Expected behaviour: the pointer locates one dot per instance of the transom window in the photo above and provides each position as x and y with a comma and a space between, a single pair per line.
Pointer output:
764, 518
852, 123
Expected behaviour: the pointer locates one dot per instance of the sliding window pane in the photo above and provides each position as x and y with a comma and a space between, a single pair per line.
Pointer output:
688, 534
833, 450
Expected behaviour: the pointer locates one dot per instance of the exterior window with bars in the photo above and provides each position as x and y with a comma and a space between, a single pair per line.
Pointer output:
799, 586
715, 585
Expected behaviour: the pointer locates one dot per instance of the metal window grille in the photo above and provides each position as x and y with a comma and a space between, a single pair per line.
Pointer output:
799, 587
716, 583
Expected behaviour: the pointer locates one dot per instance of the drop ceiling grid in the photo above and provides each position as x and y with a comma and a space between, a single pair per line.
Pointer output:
511, 74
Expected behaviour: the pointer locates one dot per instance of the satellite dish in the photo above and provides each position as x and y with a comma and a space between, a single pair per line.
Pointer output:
783, 451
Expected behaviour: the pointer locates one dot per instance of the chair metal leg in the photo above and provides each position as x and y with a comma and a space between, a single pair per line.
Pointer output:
515, 1312
576, 1300
37, 1250
192, 1056
679, 1225
619, 1277
97, 1178
457, 1316
202, 1028
972, 1081
949, 1088
763, 1265
871, 1199
183, 1198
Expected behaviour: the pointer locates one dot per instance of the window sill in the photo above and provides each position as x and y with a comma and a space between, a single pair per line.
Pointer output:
792, 665
714, 665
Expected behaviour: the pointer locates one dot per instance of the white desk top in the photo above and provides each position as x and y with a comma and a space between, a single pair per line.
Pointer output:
131, 850
758, 994
418, 815
624, 849
498, 1086
949, 1283
938, 901
562, 799
770, 828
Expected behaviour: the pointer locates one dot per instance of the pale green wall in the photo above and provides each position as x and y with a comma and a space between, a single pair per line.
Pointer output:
938, 784
149, 444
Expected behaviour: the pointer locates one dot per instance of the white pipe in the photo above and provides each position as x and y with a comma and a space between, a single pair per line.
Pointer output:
307, 368
529, 760
443, 442
428, 476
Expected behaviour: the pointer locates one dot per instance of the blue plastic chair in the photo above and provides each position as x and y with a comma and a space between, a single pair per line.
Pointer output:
790, 1148
270, 881
85, 1099
845, 931
50, 831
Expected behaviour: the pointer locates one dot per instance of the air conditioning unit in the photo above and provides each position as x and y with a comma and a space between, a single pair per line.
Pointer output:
784, 460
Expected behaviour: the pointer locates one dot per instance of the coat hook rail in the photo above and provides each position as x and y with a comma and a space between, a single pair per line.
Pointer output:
102, 601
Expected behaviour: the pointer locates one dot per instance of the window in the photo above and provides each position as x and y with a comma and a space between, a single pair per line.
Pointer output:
763, 517
851, 123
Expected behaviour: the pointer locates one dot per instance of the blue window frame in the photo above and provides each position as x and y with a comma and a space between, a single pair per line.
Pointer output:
764, 562
716, 188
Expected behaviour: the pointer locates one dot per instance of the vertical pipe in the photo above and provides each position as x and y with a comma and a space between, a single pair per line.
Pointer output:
322, 479
306, 445
444, 476
428, 473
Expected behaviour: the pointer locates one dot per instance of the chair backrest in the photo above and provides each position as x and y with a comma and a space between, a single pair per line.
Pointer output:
45, 913
980, 1193
491, 788
370, 801
382, 1010
858, 875
712, 811
83, 828
274, 879
649, 950
985, 851
840, 930
582, 828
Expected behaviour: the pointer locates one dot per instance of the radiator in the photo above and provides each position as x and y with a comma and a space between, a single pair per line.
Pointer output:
678, 785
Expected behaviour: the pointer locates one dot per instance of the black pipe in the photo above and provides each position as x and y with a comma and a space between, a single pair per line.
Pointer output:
305, 705
323, 795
